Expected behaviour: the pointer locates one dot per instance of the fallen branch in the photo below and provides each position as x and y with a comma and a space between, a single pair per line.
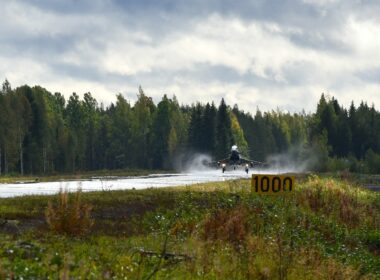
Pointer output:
164, 255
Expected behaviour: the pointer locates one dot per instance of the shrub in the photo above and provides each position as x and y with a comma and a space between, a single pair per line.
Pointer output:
372, 161
337, 164
72, 218
230, 225
339, 200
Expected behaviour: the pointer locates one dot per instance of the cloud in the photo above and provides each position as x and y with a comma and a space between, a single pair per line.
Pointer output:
254, 53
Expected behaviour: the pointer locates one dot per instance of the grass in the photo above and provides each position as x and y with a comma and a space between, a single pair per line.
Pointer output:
328, 229
69, 217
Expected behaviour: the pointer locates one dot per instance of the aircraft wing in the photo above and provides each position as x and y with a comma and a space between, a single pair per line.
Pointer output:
253, 163
217, 163
222, 161
225, 160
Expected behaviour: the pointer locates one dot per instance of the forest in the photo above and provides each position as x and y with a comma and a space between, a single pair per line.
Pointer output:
43, 133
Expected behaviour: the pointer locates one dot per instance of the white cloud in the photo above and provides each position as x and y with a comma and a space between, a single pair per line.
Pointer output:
104, 53
363, 36
22, 70
321, 2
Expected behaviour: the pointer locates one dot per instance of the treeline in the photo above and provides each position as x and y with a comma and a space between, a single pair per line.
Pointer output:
348, 139
43, 133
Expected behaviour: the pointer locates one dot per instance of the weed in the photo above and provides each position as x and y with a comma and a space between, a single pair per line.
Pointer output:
230, 225
334, 199
2, 272
373, 242
69, 218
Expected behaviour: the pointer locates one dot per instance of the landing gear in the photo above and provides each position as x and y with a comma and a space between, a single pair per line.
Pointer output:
223, 169
246, 170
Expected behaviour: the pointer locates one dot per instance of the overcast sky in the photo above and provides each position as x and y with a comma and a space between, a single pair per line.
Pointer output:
263, 53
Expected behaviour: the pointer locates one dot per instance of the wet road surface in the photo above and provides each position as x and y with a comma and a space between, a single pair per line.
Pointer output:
140, 182
117, 183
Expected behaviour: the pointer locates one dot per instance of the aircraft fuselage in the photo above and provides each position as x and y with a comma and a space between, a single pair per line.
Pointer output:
235, 157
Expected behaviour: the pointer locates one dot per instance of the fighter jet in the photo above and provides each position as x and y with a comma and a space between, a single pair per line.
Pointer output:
236, 160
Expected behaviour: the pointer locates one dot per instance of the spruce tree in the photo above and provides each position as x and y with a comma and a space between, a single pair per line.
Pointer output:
223, 131
208, 128
161, 131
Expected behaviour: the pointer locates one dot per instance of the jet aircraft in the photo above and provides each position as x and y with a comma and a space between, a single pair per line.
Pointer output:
235, 160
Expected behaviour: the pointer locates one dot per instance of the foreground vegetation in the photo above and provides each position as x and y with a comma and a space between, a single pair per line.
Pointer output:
328, 229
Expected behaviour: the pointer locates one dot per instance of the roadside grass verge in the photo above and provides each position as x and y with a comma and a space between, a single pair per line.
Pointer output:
327, 229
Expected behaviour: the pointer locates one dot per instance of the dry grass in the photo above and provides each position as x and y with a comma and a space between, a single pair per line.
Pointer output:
72, 218
328, 197
319, 267
226, 225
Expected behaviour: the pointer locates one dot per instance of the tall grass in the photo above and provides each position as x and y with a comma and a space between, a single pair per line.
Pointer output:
226, 225
349, 204
69, 217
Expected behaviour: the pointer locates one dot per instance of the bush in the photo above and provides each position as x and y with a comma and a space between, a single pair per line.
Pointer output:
69, 218
337, 164
372, 161
228, 225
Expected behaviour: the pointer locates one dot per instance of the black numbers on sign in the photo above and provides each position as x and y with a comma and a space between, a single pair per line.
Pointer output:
273, 184
289, 183
256, 179
276, 184
266, 184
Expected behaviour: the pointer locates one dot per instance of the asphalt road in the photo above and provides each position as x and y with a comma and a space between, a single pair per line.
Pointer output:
375, 188
117, 183
140, 182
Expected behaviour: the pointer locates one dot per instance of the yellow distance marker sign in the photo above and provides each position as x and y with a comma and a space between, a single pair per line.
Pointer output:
272, 184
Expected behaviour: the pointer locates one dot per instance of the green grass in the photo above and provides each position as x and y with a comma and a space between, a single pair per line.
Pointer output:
327, 229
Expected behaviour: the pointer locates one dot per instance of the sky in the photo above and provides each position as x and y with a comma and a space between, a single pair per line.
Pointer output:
266, 54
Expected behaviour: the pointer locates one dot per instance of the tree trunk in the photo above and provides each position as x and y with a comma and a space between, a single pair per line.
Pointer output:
21, 156
44, 157
73, 164
5, 162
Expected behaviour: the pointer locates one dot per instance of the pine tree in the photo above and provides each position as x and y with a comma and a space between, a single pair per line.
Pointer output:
238, 135
223, 131
161, 131
22, 117
120, 149
195, 129
143, 111
264, 143
208, 129
74, 116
